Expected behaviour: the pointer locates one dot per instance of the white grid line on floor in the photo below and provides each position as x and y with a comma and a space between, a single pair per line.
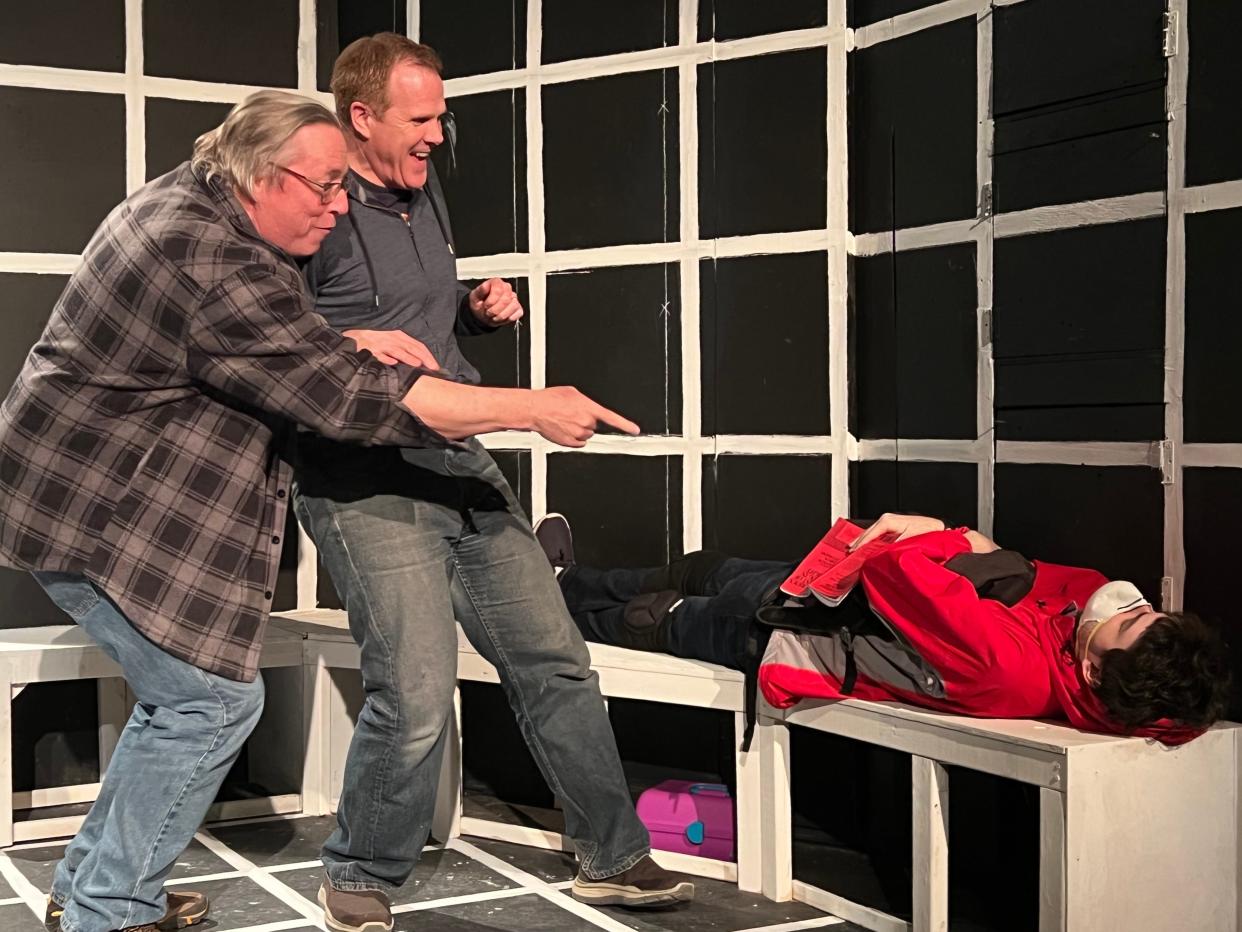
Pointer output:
310, 915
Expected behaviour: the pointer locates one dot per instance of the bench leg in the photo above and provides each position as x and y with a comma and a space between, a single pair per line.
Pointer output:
6, 763
446, 821
930, 788
1052, 852
316, 767
749, 815
771, 745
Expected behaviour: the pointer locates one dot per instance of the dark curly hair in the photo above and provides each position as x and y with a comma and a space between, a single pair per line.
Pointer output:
1178, 669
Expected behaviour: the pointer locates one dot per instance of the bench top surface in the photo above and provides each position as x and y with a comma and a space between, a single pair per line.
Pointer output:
331, 624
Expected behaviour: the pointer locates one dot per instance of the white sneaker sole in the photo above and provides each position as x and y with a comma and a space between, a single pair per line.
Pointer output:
613, 894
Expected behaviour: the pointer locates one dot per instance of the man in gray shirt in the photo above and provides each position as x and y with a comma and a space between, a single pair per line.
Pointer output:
415, 538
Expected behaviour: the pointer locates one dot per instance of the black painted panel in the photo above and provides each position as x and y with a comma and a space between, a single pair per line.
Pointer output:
1055, 51
864, 12
1213, 511
658, 741
1080, 112
325, 593
340, 22
1212, 382
487, 192
86, 34
1063, 154
615, 333
55, 734
736, 19
763, 144
234, 41
764, 340
172, 128
503, 356
610, 160
26, 302
573, 29
625, 510
475, 36
1079, 333
42, 213
915, 364
515, 464
1109, 518
912, 129
948, 491
1214, 133
26, 604
766, 507
495, 759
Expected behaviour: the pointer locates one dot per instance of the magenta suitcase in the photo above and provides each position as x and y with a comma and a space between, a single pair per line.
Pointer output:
691, 818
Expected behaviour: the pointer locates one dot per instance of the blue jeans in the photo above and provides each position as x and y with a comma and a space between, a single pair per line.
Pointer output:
447, 539
711, 622
185, 732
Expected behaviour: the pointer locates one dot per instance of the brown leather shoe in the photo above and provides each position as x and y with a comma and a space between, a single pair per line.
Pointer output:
646, 884
355, 910
183, 909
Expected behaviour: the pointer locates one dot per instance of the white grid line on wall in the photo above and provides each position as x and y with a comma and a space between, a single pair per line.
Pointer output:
836, 39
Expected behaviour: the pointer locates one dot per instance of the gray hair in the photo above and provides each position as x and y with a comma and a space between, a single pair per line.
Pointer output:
241, 150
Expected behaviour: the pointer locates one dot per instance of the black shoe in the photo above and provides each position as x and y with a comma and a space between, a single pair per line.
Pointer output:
557, 540
643, 885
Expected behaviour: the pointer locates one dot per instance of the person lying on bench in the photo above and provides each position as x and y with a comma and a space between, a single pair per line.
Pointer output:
940, 617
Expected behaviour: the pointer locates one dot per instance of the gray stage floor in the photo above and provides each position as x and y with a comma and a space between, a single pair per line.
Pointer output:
263, 876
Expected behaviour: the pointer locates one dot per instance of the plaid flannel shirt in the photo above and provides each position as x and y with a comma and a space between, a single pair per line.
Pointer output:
142, 444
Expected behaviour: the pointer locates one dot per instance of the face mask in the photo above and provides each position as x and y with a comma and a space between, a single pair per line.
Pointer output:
1111, 599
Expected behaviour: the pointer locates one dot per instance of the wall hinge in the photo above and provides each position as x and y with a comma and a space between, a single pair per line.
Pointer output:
985, 327
1165, 460
986, 208
1170, 33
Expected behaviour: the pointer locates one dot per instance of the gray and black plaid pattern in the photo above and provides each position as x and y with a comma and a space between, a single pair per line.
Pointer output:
143, 442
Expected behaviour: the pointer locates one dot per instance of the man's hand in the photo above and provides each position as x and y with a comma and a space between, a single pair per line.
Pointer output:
495, 302
566, 416
393, 346
902, 525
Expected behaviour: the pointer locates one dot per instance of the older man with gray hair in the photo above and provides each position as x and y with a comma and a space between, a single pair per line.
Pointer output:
143, 477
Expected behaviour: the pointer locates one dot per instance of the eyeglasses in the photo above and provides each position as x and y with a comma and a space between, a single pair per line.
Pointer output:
328, 190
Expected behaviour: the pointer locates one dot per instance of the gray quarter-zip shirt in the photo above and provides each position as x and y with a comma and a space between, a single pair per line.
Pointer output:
389, 265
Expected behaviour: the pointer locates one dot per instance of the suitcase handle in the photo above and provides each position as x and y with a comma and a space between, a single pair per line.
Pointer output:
715, 789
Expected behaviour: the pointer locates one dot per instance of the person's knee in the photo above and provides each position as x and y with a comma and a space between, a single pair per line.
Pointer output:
689, 575
647, 620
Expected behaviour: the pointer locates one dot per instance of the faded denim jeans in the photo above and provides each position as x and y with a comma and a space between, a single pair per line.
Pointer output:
186, 730
407, 566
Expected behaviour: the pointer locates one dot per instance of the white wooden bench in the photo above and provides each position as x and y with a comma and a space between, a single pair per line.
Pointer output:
66, 652
1133, 835
622, 673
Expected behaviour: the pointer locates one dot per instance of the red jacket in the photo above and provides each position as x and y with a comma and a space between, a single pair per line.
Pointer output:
995, 661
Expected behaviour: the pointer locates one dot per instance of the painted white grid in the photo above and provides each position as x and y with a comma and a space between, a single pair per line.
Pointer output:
836, 39
310, 914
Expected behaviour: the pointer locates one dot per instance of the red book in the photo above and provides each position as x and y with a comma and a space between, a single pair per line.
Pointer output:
830, 570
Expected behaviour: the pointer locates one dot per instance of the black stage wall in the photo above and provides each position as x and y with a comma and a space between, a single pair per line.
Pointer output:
835, 257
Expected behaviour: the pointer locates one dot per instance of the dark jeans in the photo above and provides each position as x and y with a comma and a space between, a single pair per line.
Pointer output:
710, 623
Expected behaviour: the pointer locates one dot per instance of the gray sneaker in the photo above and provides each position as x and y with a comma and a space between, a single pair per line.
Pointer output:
557, 540
354, 910
645, 884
